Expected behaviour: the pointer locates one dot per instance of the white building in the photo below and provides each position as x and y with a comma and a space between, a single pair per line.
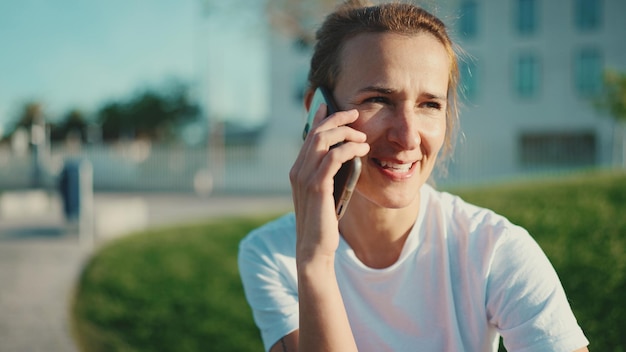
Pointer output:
535, 66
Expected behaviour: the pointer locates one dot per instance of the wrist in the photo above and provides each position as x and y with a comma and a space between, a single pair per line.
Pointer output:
315, 266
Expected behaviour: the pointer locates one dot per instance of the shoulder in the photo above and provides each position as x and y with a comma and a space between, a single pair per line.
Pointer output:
276, 236
505, 249
464, 221
280, 224
267, 268
523, 294
476, 237
267, 254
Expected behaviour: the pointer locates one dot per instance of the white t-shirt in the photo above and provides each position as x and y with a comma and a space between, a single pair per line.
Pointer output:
465, 276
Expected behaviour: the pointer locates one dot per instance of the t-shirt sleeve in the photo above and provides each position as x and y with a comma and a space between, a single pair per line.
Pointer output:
268, 276
525, 299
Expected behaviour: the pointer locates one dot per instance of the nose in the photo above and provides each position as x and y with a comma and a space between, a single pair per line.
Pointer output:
404, 129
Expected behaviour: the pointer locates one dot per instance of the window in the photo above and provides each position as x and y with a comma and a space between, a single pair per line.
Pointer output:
469, 79
527, 76
588, 72
468, 23
558, 149
587, 14
526, 17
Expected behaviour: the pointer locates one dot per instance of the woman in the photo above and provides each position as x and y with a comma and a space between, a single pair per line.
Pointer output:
407, 267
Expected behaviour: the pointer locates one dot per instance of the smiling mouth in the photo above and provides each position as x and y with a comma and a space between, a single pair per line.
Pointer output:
394, 167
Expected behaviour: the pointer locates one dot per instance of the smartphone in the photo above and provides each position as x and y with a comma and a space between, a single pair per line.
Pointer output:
347, 176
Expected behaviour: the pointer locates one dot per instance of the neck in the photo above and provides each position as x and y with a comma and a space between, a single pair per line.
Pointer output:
377, 234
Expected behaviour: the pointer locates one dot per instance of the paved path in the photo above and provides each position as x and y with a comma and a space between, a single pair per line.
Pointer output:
40, 260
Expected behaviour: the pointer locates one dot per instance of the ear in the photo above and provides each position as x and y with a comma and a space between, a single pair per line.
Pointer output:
308, 98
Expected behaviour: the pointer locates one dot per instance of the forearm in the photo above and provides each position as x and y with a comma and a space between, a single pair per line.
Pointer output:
324, 324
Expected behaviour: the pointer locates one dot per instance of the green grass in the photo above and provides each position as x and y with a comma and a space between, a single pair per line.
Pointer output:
178, 289
175, 289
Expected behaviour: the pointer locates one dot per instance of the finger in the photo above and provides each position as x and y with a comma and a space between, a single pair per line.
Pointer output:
307, 173
320, 114
324, 137
309, 142
333, 160
323, 141
321, 163
318, 178
340, 118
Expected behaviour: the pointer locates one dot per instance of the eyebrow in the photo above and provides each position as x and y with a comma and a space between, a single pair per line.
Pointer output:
435, 96
388, 91
377, 89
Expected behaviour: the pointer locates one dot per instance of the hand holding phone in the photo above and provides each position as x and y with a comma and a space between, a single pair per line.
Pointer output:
346, 178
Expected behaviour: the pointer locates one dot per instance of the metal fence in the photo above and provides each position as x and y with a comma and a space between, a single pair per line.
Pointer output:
139, 166
142, 167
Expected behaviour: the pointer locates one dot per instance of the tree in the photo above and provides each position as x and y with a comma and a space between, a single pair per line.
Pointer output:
614, 98
30, 119
74, 123
152, 114
30, 114
613, 101
112, 118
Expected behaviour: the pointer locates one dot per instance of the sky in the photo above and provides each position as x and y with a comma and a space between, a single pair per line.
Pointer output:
79, 54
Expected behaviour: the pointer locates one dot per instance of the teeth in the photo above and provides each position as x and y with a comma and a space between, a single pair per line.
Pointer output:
394, 166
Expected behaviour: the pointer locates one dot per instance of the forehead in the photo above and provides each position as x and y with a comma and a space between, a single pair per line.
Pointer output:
404, 57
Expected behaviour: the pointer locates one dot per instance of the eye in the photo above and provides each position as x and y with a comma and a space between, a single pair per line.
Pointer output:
431, 105
377, 100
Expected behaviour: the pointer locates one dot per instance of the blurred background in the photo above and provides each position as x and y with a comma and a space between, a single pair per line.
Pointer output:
117, 116
205, 96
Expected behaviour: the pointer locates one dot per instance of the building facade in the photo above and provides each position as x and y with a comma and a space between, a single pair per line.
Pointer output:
530, 69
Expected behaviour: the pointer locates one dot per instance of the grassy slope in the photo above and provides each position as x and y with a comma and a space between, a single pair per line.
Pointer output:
178, 289
167, 290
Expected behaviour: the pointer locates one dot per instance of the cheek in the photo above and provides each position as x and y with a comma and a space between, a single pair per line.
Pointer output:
372, 127
433, 135
432, 131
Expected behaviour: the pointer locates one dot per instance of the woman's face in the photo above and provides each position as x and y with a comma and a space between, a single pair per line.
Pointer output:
399, 85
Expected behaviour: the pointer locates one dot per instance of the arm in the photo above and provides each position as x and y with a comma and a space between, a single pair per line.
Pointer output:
288, 343
322, 313
317, 324
323, 320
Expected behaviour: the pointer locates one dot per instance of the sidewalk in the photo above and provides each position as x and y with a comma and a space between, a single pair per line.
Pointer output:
40, 261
